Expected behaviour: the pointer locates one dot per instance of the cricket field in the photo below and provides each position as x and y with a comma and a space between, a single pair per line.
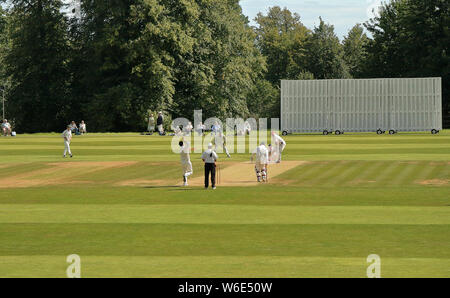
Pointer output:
118, 204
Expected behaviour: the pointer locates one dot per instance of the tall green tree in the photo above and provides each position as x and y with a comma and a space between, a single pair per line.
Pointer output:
411, 38
325, 53
202, 52
171, 54
3, 43
3, 37
235, 61
164, 39
264, 100
36, 62
3, 51
178, 56
355, 52
281, 38
103, 90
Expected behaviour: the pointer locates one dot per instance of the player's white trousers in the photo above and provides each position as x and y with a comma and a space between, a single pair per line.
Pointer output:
67, 148
187, 168
282, 146
226, 151
261, 169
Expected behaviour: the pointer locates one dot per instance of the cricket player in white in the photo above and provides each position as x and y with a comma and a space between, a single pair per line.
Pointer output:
220, 140
67, 136
247, 128
186, 164
261, 158
279, 145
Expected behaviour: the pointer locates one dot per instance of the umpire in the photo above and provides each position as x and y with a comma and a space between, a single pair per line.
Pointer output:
209, 158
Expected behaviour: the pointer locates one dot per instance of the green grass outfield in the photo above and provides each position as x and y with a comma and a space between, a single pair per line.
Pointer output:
357, 194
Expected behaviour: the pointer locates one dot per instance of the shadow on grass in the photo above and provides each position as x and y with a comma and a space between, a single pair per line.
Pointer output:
173, 188
162, 187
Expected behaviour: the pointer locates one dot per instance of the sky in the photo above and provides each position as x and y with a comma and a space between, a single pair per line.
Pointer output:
343, 14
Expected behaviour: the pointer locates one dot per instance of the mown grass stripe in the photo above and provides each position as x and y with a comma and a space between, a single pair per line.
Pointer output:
329, 173
360, 178
401, 168
444, 172
404, 177
415, 175
224, 214
405, 241
385, 176
425, 172
374, 174
311, 171
346, 175
21, 168
263, 195
437, 170
221, 267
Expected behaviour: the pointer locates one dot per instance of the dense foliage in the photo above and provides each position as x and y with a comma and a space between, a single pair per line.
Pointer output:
36, 64
111, 62
411, 38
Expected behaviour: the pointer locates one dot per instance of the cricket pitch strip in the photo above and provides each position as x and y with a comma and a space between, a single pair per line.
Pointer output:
53, 174
243, 174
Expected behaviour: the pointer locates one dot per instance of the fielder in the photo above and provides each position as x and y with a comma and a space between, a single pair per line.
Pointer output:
247, 128
67, 136
279, 145
261, 158
160, 123
186, 164
220, 140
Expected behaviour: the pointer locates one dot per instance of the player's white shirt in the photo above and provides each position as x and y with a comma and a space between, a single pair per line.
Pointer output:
185, 156
262, 154
67, 135
278, 139
220, 140
6, 125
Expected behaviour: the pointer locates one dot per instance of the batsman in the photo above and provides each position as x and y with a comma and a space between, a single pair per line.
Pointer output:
261, 158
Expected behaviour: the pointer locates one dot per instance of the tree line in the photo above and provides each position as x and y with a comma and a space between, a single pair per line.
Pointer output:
112, 61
